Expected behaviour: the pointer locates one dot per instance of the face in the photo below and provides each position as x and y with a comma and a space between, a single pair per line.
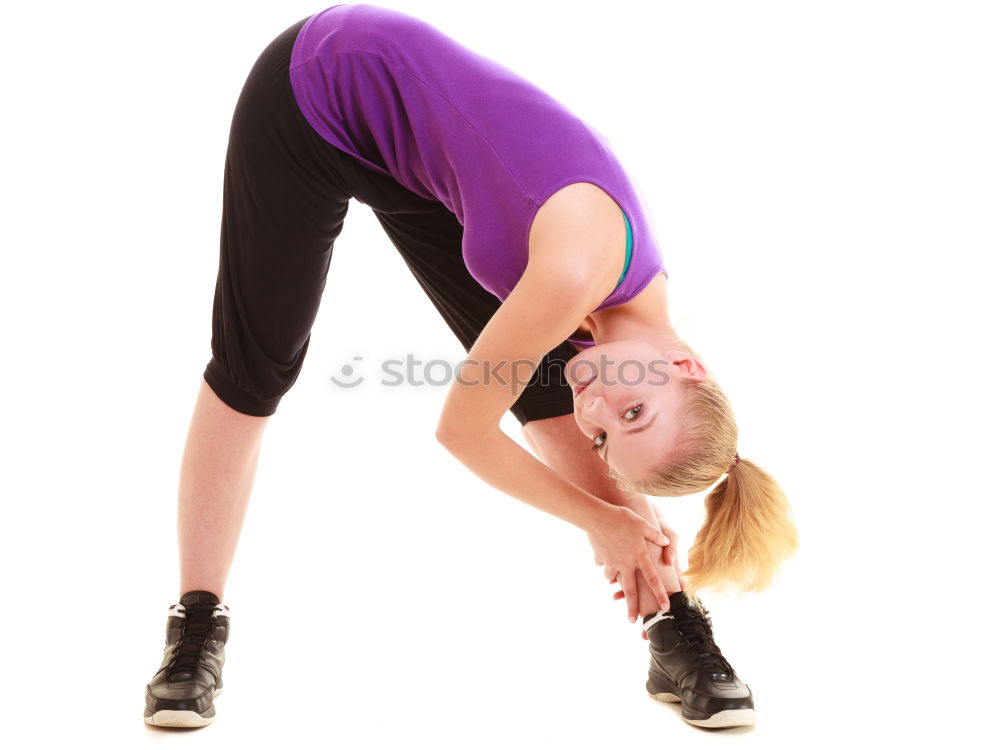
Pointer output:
627, 400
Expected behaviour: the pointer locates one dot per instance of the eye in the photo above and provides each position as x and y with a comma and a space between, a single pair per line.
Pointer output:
602, 437
635, 409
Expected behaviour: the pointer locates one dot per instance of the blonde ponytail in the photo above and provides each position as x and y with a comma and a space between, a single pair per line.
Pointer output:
747, 533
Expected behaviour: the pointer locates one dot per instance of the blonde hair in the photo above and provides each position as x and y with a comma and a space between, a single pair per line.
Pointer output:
748, 531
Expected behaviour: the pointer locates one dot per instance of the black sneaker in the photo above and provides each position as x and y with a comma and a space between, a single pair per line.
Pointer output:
182, 692
686, 666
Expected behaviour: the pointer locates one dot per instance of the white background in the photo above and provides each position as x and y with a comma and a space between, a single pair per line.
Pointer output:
823, 180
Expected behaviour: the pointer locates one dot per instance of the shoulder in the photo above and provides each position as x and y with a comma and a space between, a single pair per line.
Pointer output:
580, 231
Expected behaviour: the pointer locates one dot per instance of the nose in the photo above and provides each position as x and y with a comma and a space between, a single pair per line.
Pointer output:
589, 415
591, 404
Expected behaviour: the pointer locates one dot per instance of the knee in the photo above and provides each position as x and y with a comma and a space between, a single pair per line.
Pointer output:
242, 395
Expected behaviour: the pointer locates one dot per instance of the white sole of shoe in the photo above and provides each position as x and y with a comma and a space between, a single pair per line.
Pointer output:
736, 717
170, 718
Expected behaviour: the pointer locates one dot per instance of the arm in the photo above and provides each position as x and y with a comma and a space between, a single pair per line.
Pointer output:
495, 374
560, 444
498, 367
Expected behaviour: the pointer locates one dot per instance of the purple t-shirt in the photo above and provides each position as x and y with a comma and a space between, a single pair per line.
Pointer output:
454, 126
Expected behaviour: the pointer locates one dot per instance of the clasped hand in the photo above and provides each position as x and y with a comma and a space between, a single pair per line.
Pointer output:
619, 542
620, 545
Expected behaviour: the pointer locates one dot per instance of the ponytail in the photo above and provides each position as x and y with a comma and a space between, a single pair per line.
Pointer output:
748, 531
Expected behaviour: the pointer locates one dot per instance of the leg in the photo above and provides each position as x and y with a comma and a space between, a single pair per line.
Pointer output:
283, 207
217, 472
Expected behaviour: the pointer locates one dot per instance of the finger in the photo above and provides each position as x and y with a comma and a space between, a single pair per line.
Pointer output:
655, 584
619, 594
653, 534
631, 595
644, 636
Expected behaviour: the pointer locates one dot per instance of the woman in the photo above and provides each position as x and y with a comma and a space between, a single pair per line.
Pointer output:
524, 231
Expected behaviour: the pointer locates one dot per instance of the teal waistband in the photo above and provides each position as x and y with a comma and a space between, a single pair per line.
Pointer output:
628, 249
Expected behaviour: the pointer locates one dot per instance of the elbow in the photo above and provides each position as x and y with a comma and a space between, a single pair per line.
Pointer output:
459, 431
445, 436
454, 439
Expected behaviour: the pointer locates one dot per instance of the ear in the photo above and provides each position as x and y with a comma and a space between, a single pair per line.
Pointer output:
689, 365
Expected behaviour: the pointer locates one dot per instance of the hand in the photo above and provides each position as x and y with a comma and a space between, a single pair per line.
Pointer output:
668, 557
619, 541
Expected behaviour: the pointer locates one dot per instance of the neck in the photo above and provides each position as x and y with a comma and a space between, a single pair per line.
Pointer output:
645, 318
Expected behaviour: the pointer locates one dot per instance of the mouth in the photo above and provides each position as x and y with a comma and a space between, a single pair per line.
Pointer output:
583, 386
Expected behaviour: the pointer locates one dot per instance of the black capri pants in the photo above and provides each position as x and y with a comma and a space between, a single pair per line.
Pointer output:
285, 196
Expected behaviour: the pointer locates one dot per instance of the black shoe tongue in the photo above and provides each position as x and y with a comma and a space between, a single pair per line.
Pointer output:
196, 629
680, 604
199, 598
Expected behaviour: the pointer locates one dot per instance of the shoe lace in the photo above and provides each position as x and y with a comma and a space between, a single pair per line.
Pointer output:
195, 631
696, 630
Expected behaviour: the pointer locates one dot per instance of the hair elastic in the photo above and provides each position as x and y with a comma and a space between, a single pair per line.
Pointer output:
736, 460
